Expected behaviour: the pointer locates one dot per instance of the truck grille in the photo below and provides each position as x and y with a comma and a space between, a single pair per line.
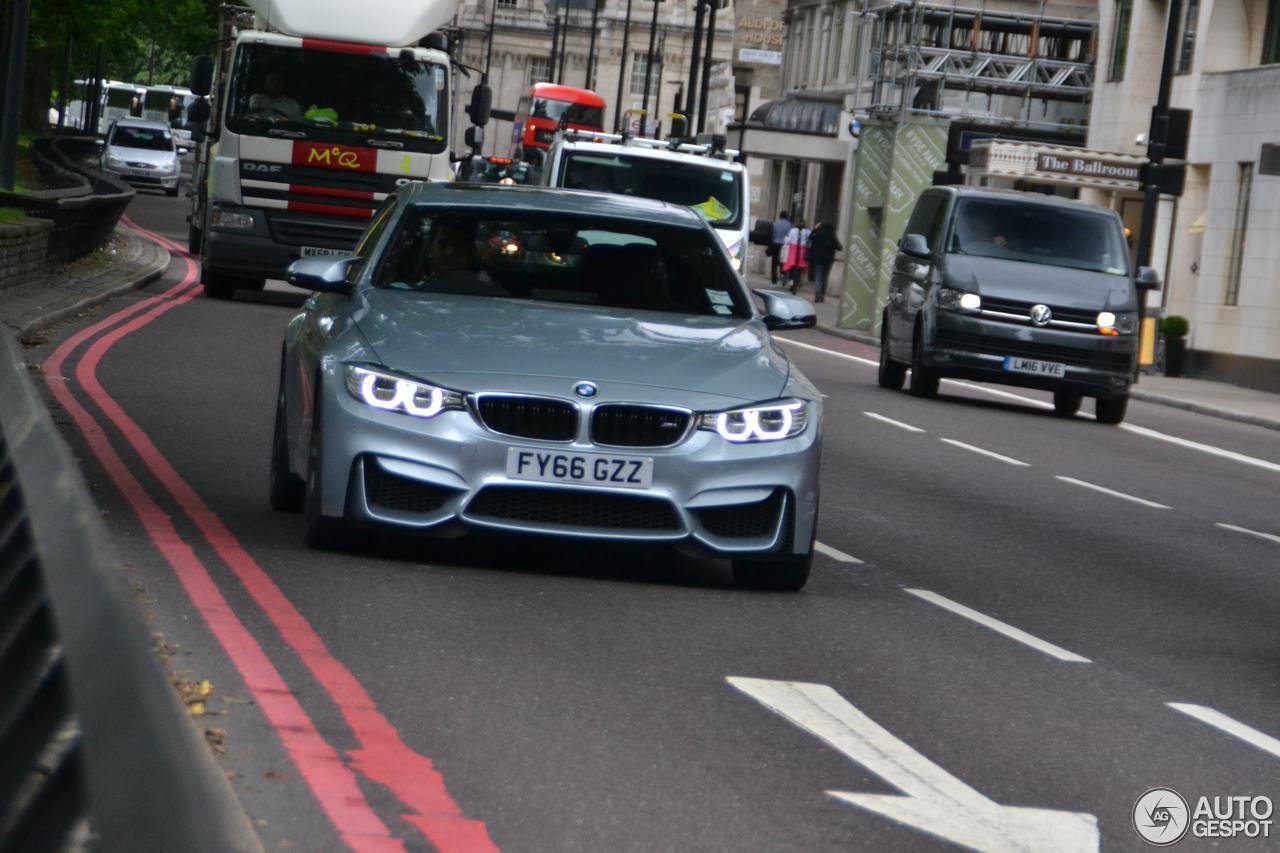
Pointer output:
297, 229
1075, 356
1013, 306
529, 417
574, 509
638, 426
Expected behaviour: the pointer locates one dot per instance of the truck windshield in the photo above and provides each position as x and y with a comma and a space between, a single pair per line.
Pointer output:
1039, 234
118, 96
157, 100
330, 95
576, 114
714, 192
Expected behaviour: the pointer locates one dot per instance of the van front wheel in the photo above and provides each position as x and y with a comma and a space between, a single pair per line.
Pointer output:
1110, 410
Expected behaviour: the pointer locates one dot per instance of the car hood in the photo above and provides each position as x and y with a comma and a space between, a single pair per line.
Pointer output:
1059, 286
142, 155
470, 342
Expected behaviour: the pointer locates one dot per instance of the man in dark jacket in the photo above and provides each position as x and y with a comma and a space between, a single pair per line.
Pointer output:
781, 227
823, 246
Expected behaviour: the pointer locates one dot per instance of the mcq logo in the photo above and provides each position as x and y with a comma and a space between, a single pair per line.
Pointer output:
334, 156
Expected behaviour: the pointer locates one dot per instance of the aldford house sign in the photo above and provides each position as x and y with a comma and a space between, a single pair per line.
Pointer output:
1087, 167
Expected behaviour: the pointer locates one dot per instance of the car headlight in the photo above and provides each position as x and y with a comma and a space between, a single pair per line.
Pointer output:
113, 160
231, 219
1117, 323
392, 393
762, 422
958, 300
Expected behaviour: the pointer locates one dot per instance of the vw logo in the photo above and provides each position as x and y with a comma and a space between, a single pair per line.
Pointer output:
585, 389
1041, 315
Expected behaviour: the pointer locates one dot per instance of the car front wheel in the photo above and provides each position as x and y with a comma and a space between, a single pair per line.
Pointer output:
1066, 404
321, 531
924, 382
1110, 410
891, 374
783, 574
287, 490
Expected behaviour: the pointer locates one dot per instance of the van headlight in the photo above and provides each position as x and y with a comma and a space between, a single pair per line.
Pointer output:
1117, 322
772, 421
391, 393
958, 300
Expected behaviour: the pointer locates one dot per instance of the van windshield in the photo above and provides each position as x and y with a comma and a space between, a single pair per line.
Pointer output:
1039, 234
715, 193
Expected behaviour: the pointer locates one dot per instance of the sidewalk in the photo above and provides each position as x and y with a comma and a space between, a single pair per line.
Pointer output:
1217, 399
127, 263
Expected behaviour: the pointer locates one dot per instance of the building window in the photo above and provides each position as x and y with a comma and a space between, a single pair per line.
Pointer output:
1120, 39
1271, 44
507, 2
539, 69
1187, 43
639, 71
1239, 232
835, 51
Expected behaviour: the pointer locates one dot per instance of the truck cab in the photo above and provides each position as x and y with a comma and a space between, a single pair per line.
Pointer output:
702, 176
549, 107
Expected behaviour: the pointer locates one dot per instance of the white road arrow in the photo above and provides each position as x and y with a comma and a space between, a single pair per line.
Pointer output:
935, 801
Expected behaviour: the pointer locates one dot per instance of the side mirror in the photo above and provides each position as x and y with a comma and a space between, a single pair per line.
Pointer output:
474, 137
481, 104
325, 274
784, 311
762, 233
916, 246
202, 75
1147, 279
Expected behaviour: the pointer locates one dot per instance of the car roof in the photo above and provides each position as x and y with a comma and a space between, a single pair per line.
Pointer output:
1020, 195
651, 153
148, 123
551, 200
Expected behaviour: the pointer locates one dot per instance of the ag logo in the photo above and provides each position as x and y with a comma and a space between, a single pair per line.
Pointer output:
1161, 817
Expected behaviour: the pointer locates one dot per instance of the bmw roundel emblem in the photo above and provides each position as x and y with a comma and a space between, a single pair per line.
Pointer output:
585, 389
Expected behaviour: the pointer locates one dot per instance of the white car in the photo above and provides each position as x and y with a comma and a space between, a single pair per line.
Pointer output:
142, 152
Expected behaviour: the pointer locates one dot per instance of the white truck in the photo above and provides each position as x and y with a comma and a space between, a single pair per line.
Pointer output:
169, 104
703, 176
319, 111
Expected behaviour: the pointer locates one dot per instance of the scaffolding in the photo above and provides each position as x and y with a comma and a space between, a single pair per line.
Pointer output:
923, 52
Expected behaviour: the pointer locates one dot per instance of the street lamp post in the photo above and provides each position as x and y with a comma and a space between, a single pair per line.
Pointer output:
622, 69
691, 91
706, 66
648, 68
11, 116
1157, 137
591, 48
488, 51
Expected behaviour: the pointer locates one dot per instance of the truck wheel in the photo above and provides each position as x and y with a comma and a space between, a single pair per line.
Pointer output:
924, 382
219, 285
193, 239
1066, 404
891, 375
1110, 410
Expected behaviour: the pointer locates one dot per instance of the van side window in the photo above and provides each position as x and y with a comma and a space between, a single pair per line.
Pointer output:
925, 218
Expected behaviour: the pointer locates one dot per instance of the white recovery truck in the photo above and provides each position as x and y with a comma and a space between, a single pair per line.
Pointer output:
319, 110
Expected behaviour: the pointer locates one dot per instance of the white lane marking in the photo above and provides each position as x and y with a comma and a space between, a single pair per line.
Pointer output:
898, 424
999, 627
835, 554
856, 358
1104, 490
1269, 536
1009, 459
1146, 432
933, 800
1222, 722
1203, 448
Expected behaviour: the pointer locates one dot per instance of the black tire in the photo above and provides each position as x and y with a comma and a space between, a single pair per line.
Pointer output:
194, 239
321, 531
924, 382
891, 375
1066, 403
287, 491
219, 285
172, 193
783, 574
1110, 410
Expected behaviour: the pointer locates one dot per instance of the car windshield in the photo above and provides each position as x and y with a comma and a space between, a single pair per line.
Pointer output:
561, 257
577, 114
150, 138
714, 192
330, 95
1039, 234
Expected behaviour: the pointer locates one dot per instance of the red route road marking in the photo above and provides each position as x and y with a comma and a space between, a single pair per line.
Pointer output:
334, 785
383, 756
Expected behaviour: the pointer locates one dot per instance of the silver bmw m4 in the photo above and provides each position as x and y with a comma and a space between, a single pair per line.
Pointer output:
554, 363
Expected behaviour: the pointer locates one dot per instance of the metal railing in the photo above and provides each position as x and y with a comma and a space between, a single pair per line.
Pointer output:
96, 751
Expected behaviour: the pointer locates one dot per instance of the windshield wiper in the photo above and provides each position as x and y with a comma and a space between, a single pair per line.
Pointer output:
288, 134
385, 143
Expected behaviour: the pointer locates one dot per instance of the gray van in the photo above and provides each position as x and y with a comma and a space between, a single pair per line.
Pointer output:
1016, 288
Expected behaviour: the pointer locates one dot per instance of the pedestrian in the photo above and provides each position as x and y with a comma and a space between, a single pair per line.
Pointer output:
796, 247
781, 228
823, 245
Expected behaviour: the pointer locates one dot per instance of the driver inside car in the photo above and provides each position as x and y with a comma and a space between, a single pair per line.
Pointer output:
273, 100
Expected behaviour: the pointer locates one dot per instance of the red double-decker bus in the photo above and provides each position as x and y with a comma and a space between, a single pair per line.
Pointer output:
543, 111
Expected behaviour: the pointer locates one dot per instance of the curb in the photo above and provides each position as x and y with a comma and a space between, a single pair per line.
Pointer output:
28, 332
1203, 409
848, 335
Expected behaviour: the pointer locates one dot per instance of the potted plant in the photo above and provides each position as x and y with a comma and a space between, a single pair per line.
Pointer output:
1174, 330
